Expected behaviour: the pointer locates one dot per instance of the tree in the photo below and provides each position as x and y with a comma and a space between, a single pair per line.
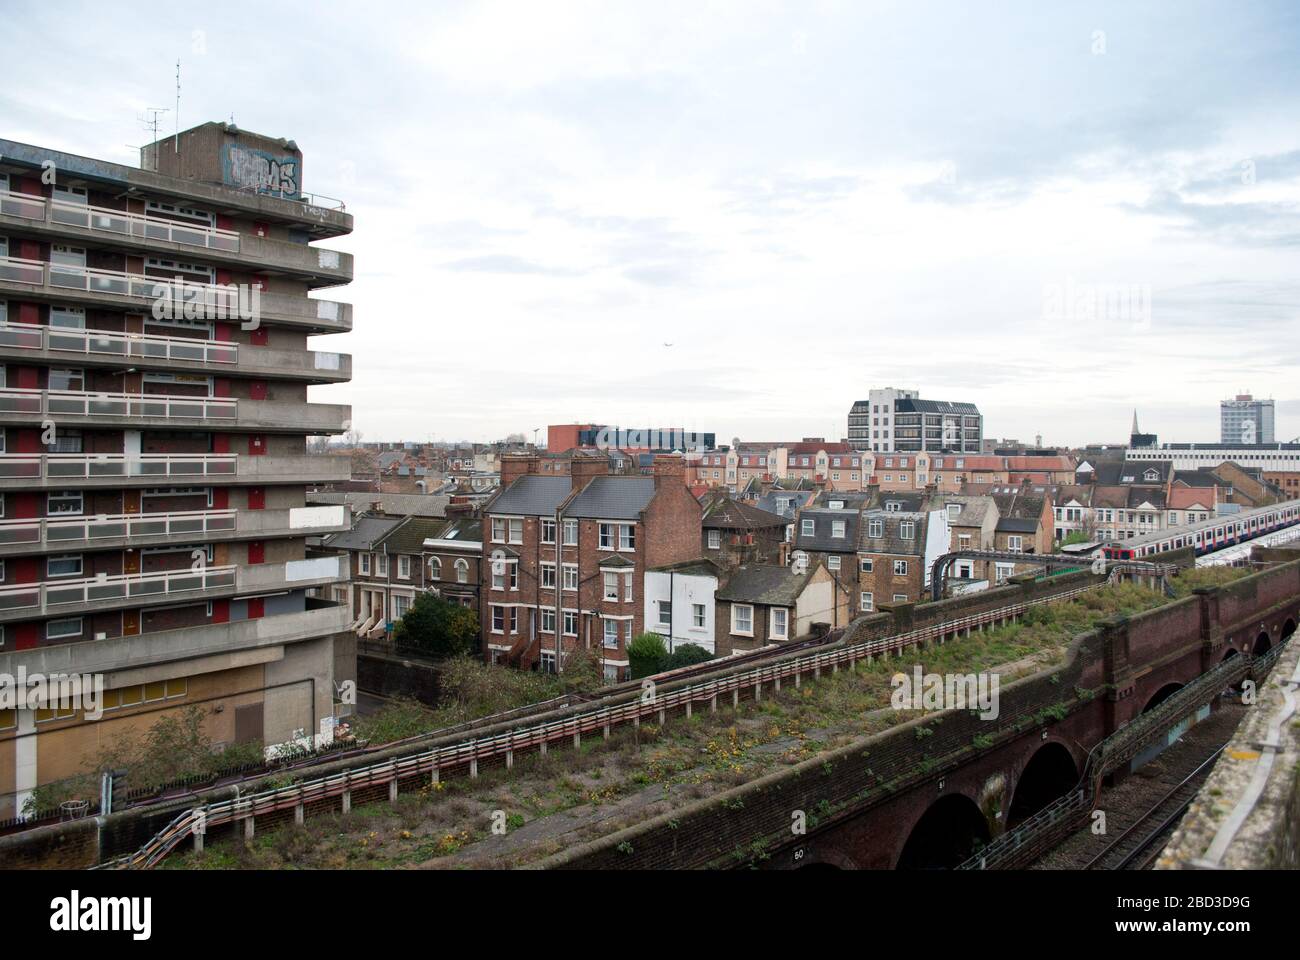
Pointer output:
646, 653
441, 628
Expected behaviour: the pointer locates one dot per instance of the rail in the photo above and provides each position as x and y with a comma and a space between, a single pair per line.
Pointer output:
90, 466
119, 222
56, 530
76, 403
52, 594
23, 336
1045, 829
472, 752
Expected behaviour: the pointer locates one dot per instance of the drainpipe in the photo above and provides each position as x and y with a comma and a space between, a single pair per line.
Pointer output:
559, 586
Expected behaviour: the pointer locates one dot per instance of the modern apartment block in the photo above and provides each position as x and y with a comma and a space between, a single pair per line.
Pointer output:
891, 420
154, 366
1243, 419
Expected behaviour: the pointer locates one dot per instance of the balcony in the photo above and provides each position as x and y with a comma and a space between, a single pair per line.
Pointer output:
151, 650
76, 408
58, 345
108, 288
57, 471
26, 537
136, 233
74, 597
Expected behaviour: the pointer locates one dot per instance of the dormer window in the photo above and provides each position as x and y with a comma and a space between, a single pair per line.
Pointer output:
893, 506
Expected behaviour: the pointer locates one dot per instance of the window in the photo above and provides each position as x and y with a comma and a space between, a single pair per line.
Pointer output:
64, 502
611, 586
548, 619
875, 528
626, 537
404, 567
610, 638
954, 510
607, 536
498, 530
868, 602
514, 617
516, 530
907, 529
665, 612
697, 614
435, 568
837, 529
462, 571
381, 564
401, 603
900, 568
715, 539
548, 576
570, 533
780, 622
570, 623
63, 565
59, 629
363, 564
900, 598
805, 528
498, 619
742, 619
548, 531
832, 562
1014, 544
836, 504
570, 576
627, 588
867, 565
498, 575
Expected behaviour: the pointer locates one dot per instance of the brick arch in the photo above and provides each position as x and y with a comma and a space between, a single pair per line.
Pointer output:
936, 837
827, 858
1049, 772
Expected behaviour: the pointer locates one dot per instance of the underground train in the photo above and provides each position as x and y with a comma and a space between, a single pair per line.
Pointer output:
1207, 536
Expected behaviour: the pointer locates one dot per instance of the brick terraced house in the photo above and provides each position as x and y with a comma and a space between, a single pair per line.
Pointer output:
564, 558
154, 366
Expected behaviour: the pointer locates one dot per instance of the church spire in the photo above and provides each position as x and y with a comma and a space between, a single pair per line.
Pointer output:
1135, 431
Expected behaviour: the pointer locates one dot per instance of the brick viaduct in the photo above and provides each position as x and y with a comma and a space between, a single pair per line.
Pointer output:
923, 794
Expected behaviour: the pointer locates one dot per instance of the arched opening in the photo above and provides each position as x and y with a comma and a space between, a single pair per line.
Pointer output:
1288, 628
1161, 695
948, 833
1262, 643
1050, 774
1229, 654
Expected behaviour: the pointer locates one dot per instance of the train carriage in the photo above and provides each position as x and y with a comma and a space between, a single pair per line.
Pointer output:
1207, 536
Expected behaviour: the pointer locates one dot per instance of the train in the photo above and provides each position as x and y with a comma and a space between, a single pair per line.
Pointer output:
1207, 536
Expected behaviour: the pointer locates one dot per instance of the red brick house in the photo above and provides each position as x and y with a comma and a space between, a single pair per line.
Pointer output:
564, 558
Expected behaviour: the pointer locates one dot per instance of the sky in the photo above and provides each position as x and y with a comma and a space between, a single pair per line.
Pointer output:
739, 217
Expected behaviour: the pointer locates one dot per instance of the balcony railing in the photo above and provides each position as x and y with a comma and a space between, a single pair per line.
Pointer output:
23, 336
93, 466
53, 594
76, 403
116, 221
53, 531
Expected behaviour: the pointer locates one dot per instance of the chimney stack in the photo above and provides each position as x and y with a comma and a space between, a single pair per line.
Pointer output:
516, 465
585, 465
666, 465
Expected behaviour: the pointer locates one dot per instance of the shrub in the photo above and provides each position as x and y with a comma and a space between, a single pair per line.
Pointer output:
646, 654
685, 655
443, 629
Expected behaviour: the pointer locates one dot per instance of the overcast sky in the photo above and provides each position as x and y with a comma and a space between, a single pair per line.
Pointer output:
804, 200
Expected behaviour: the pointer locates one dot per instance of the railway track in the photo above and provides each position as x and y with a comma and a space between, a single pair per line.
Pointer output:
1137, 847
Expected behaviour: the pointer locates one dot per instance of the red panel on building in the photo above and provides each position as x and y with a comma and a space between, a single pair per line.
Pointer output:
257, 498
256, 608
256, 551
257, 444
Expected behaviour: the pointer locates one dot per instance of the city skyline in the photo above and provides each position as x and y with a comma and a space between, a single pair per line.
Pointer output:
705, 214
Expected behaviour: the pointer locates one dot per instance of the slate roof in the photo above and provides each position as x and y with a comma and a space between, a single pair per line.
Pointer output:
915, 405
409, 534
854, 499
891, 541
1018, 525
466, 529
1112, 472
392, 504
821, 539
725, 513
770, 502
611, 498
766, 584
692, 568
973, 510
532, 496
365, 533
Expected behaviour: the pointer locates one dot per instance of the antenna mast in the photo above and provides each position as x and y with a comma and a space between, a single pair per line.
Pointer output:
149, 120
177, 141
